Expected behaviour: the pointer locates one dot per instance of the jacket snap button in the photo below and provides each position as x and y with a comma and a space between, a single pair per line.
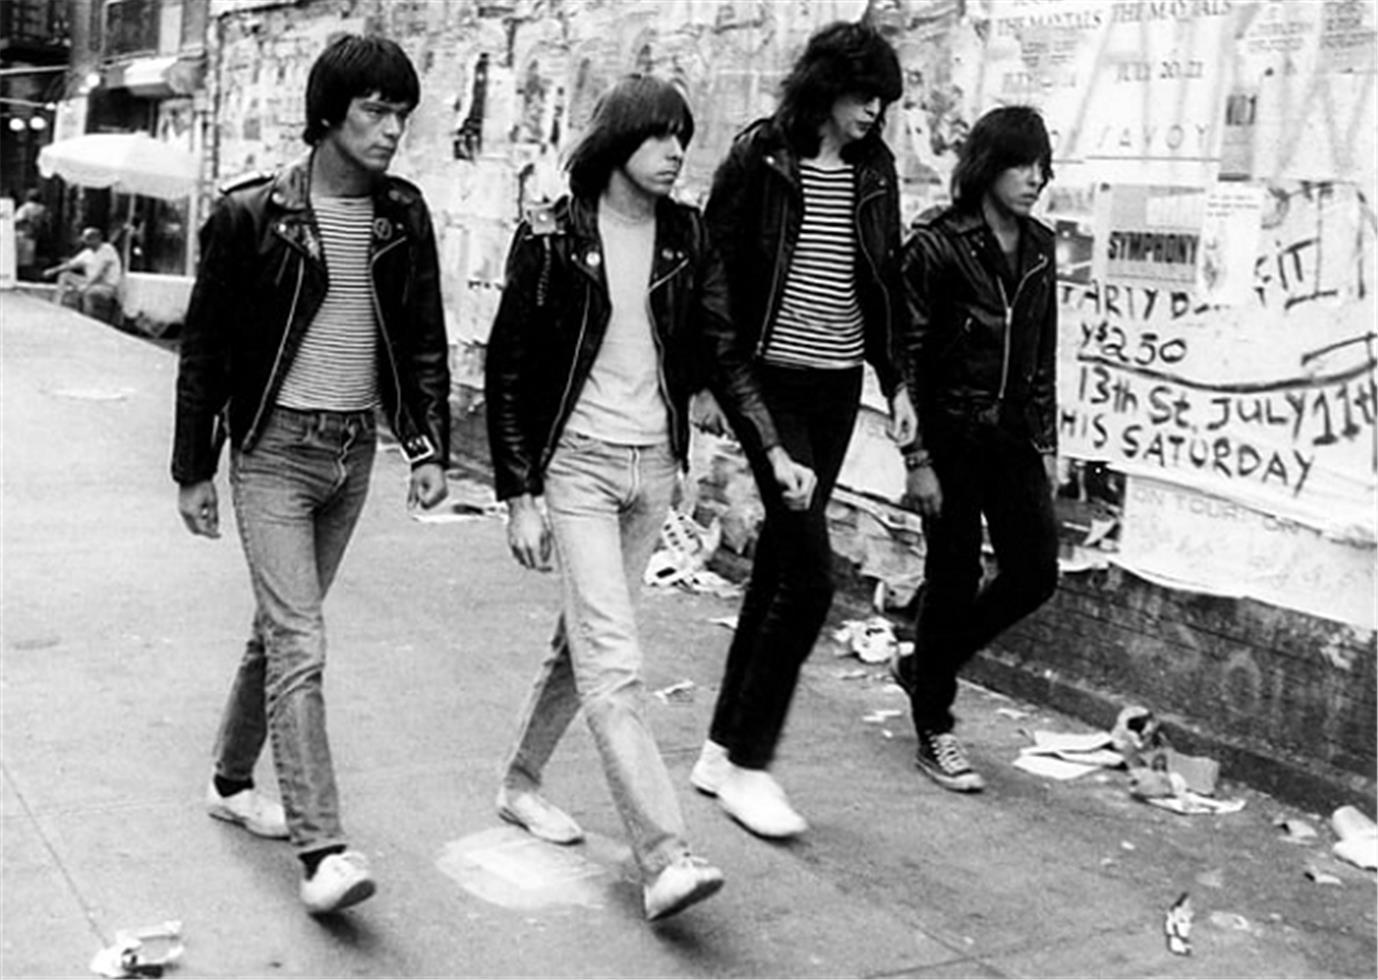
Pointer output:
594, 260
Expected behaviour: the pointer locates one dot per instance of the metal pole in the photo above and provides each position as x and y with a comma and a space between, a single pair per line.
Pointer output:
32, 71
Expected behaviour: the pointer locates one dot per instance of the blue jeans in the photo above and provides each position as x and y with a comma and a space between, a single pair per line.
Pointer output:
606, 505
297, 497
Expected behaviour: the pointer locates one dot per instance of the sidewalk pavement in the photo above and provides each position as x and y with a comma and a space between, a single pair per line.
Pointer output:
120, 633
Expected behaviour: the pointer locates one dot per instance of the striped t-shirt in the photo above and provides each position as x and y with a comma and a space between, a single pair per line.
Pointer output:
819, 321
336, 366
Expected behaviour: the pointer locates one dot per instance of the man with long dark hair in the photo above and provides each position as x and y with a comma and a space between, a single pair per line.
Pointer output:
614, 311
805, 209
982, 343
291, 363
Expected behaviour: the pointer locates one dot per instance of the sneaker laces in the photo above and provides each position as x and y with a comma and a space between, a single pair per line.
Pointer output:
948, 753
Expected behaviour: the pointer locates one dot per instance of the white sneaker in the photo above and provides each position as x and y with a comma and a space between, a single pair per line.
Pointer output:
250, 809
755, 800
538, 816
688, 880
341, 880
711, 768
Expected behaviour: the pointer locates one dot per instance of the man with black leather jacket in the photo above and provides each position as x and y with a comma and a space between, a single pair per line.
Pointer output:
805, 209
613, 313
982, 341
316, 302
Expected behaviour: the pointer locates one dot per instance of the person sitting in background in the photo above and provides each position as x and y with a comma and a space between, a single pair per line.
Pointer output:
90, 281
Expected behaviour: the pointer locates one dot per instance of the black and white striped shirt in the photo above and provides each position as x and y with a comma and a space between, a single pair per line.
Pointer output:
336, 366
819, 321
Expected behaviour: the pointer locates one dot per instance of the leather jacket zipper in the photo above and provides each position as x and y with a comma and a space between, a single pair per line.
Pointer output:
875, 270
549, 450
282, 346
383, 329
776, 272
1009, 321
660, 354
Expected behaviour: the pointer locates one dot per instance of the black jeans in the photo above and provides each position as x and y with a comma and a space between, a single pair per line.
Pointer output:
980, 470
791, 584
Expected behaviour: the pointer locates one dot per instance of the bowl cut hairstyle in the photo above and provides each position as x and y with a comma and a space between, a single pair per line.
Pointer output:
635, 109
353, 67
840, 59
1010, 136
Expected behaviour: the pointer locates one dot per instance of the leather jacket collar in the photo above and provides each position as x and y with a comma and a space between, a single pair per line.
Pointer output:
586, 247
291, 192
868, 158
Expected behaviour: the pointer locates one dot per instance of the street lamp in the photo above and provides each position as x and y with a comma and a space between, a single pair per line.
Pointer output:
16, 124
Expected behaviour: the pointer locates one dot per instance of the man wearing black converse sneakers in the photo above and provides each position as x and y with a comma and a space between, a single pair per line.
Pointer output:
981, 290
316, 302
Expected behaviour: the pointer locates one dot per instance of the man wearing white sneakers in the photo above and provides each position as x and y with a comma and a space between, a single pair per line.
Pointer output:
316, 303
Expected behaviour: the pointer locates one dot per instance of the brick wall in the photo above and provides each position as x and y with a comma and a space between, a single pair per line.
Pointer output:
1285, 700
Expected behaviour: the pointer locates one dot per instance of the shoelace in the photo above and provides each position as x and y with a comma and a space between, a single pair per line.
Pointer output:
949, 754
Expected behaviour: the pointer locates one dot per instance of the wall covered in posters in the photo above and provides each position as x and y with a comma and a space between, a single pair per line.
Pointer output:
1214, 204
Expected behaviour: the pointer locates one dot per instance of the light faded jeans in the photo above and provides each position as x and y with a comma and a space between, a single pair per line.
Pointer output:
606, 505
297, 497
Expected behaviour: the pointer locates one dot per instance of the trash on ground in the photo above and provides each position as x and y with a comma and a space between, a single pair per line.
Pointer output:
685, 548
1014, 713
1177, 926
1295, 831
141, 953
1147, 784
465, 500
678, 691
1136, 731
729, 622
1189, 804
1067, 755
1358, 843
1321, 877
1230, 920
1051, 766
871, 640
1198, 772
707, 582
882, 715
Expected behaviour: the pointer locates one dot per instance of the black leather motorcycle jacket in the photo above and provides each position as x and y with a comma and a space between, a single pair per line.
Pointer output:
261, 279
554, 315
982, 345
755, 211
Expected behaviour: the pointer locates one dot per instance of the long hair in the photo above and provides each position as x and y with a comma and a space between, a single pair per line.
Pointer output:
352, 67
840, 59
1010, 136
635, 109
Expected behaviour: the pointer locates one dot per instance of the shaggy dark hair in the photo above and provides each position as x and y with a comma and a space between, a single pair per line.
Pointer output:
353, 67
635, 109
1011, 136
840, 59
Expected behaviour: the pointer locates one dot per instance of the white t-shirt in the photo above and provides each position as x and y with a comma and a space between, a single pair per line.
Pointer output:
99, 266
621, 401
